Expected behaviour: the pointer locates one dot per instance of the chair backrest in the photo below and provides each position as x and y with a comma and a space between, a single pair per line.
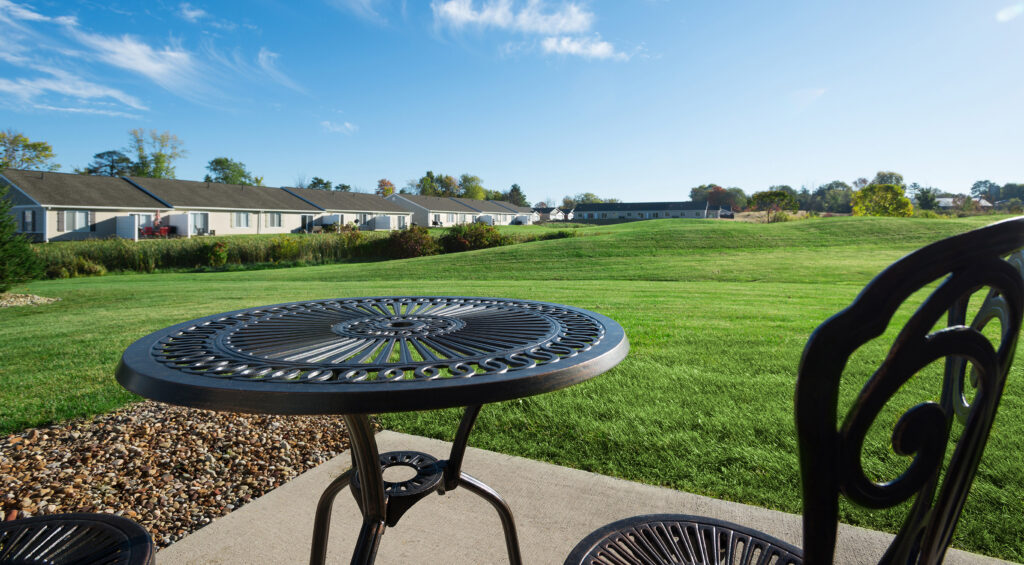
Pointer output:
831, 450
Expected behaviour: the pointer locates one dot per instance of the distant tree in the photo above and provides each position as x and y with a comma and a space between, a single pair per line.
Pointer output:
889, 177
109, 164
342, 187
18, 152
1011, 190
737, 198
700, 193
986, 189
926, 196
471, 186
717, 196
155, 156
385, 188
805, 200
516, 196
881, 200
317, 183
427, 185
447, 185
860, 183
774, 202
493, 194
18, 261
229, 171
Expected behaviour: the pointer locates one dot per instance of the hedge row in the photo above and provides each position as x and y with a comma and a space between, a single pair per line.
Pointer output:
96, 257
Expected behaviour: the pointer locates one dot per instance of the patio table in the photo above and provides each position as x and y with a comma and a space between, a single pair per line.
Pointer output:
362, 356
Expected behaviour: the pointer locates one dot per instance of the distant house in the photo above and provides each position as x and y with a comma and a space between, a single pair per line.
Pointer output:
548, 214
63, 207
435, 211
489, 211
366, 211
228, 209
523, 215
950, 203
644, 210
567, 213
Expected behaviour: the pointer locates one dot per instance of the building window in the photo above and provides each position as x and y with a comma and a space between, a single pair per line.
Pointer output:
78, 220
654, 215
462, 218
363, 218
241, 219
273, 219
28, 221
451, 218
144, 220
401, 222
437, 219
307, 222
200, 222
605, 215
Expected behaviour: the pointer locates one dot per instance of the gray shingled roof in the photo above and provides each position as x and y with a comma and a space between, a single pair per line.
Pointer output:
633, 206
64, 189
336, 200
513, 208
192, 194
485, 206
438, 203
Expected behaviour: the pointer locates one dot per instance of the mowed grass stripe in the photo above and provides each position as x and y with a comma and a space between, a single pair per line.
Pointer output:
703, 402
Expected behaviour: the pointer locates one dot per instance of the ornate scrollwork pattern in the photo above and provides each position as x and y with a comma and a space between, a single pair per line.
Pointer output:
380, 339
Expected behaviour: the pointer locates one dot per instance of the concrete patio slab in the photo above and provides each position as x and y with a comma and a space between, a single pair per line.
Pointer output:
554, 508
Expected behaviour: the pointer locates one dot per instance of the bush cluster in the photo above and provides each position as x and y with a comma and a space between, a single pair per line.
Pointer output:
467, 237
413, 242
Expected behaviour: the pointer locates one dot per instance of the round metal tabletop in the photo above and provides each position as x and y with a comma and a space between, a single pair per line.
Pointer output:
372, 355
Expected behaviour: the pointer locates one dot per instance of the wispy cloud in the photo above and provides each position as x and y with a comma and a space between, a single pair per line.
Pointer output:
191, 13
268, 62
587, 47
344, 127
172, 67
531, 18
1010, 12
565, 25
365, 9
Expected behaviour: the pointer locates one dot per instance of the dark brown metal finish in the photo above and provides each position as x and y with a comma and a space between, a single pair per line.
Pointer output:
830, 450
680, 539
401, 496
508, 524
368, 355
64, 539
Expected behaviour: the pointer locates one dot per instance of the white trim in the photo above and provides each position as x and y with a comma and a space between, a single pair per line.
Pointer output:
88, 207
179, 207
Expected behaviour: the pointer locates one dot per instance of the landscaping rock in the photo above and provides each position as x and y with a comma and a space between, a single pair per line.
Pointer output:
169, 468
8, 299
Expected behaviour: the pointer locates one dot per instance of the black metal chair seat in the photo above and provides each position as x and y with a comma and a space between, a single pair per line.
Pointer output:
75, 539
985, 264
681, 539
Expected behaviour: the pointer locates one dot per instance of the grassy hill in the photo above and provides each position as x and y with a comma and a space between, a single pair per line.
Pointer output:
717, 314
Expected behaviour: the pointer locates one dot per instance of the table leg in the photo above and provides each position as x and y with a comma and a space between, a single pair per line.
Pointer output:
504, 512
365, 461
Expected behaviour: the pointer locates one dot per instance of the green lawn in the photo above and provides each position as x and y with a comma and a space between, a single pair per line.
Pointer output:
717, 314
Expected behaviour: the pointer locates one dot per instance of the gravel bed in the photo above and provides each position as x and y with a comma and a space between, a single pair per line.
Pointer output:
10, 299
171, 469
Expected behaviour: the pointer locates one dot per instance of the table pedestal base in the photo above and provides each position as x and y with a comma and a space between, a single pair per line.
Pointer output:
383, 503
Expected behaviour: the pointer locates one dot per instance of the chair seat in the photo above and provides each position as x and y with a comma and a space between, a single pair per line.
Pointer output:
680, 539
75, 539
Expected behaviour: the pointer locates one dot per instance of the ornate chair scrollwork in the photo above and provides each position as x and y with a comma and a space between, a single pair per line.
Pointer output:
831, 449
75, 539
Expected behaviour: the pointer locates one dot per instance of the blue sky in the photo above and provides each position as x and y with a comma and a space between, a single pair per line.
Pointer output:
634, 99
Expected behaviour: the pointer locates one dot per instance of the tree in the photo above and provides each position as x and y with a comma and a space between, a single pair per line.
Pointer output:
516, 196
737, 199
317, 183
860, 183
773, 203
1012, 190
18, 261
155, 156
229, 171
881, 200
18, 152
471, 186
832, 197
342, 187
889, 177
385, 188
109, 164
700, 193
986, 189
926, 196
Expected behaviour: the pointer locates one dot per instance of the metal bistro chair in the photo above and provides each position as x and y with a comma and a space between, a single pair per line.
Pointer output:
830, 451
75, 539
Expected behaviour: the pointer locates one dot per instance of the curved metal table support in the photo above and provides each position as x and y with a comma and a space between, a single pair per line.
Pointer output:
361, 356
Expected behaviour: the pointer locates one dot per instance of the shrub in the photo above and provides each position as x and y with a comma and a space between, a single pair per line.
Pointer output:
467, 237
330, 228
18, 261
413, 242
558, 234
86, 268
217, 254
